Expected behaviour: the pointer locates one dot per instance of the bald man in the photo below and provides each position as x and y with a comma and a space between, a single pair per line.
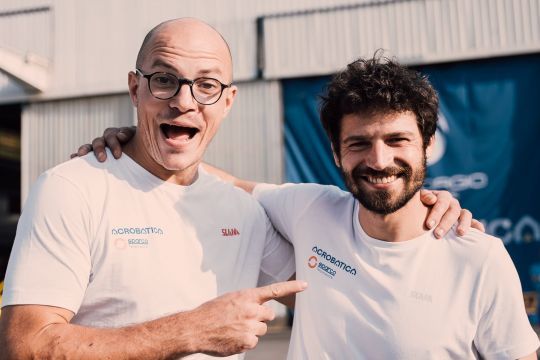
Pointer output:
143, 257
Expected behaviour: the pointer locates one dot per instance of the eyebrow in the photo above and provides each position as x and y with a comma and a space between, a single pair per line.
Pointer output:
400, 134
353, 138
203, 73
213, 70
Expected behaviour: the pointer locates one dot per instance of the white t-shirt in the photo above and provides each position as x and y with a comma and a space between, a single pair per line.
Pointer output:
371, 299
118, 246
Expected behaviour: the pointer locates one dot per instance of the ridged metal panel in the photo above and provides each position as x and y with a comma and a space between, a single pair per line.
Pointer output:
416, 31
249, 143
51, 131
27, 32
94, 43
14, 5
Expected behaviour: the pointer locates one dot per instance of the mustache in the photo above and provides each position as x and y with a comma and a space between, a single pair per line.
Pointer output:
362, 170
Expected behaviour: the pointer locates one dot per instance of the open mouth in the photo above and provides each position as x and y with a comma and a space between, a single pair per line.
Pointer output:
175, 132
380, 179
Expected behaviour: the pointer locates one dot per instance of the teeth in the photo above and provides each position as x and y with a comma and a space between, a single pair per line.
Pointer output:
381, 180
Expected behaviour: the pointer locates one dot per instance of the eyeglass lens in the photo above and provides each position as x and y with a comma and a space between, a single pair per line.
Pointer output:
204, 90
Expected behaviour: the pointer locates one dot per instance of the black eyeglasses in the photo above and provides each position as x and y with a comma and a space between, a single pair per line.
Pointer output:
164, 86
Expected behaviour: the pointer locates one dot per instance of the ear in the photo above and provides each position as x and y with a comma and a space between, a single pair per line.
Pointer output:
133, 86
431, 146
230, 95
336, 157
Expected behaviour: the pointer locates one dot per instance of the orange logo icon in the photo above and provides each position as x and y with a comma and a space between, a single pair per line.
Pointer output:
312, 262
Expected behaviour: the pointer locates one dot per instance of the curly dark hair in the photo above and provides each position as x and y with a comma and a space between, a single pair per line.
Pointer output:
374, 86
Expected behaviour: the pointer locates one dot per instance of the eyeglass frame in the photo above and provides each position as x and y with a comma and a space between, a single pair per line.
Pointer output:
182, 81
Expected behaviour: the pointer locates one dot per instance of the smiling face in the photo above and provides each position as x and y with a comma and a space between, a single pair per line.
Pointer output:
382, 159
173, 134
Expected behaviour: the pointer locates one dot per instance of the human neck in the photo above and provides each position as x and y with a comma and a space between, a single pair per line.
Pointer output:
404, 224
136, 150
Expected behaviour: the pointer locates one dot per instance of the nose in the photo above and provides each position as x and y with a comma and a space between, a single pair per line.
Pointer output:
183, 100
380, 156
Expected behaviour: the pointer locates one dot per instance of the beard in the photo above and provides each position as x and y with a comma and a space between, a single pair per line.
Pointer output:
385, 202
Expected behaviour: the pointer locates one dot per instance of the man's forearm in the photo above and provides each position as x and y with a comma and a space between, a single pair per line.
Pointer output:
165, 338
227, 325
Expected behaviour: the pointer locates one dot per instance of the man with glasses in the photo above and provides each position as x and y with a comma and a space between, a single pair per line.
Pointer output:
144, 256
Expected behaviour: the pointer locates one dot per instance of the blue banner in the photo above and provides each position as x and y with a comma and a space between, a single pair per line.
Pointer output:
486, 152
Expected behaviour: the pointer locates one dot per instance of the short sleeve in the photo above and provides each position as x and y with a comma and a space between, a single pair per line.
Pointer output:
278, 258
285, 204
504, 331
50, 260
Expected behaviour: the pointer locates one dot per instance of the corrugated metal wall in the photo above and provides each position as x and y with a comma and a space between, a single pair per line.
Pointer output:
15, 25
416, 31
51, 131
249, 143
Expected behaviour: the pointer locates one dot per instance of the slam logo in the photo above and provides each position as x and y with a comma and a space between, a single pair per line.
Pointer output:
230, 232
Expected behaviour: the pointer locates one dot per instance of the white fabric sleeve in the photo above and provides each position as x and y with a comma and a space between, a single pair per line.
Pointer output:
284, 204
50, 260
504, 331
278, 258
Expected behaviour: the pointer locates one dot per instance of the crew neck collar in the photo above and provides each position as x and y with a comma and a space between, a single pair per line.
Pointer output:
147, 176
370, 241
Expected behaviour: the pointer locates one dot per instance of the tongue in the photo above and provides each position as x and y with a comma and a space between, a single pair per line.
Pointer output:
177, 132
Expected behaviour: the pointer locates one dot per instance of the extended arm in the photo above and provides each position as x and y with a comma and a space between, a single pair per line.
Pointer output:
445, 211
226, 325
445, 208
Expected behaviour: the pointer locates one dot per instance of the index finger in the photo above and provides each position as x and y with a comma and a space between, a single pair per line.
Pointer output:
276, 290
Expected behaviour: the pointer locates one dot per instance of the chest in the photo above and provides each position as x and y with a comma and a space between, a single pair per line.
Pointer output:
383, 304
153, 253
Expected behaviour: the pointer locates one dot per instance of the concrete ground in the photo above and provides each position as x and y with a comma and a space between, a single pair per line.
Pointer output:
272, 346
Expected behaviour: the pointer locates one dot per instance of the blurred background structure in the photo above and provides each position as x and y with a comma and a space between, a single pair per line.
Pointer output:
63, 80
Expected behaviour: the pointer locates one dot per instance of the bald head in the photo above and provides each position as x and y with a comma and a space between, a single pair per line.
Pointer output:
183, 27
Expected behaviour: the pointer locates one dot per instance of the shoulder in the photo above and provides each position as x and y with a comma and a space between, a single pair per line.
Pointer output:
306, 192
83, 176
80, 168
475, 247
